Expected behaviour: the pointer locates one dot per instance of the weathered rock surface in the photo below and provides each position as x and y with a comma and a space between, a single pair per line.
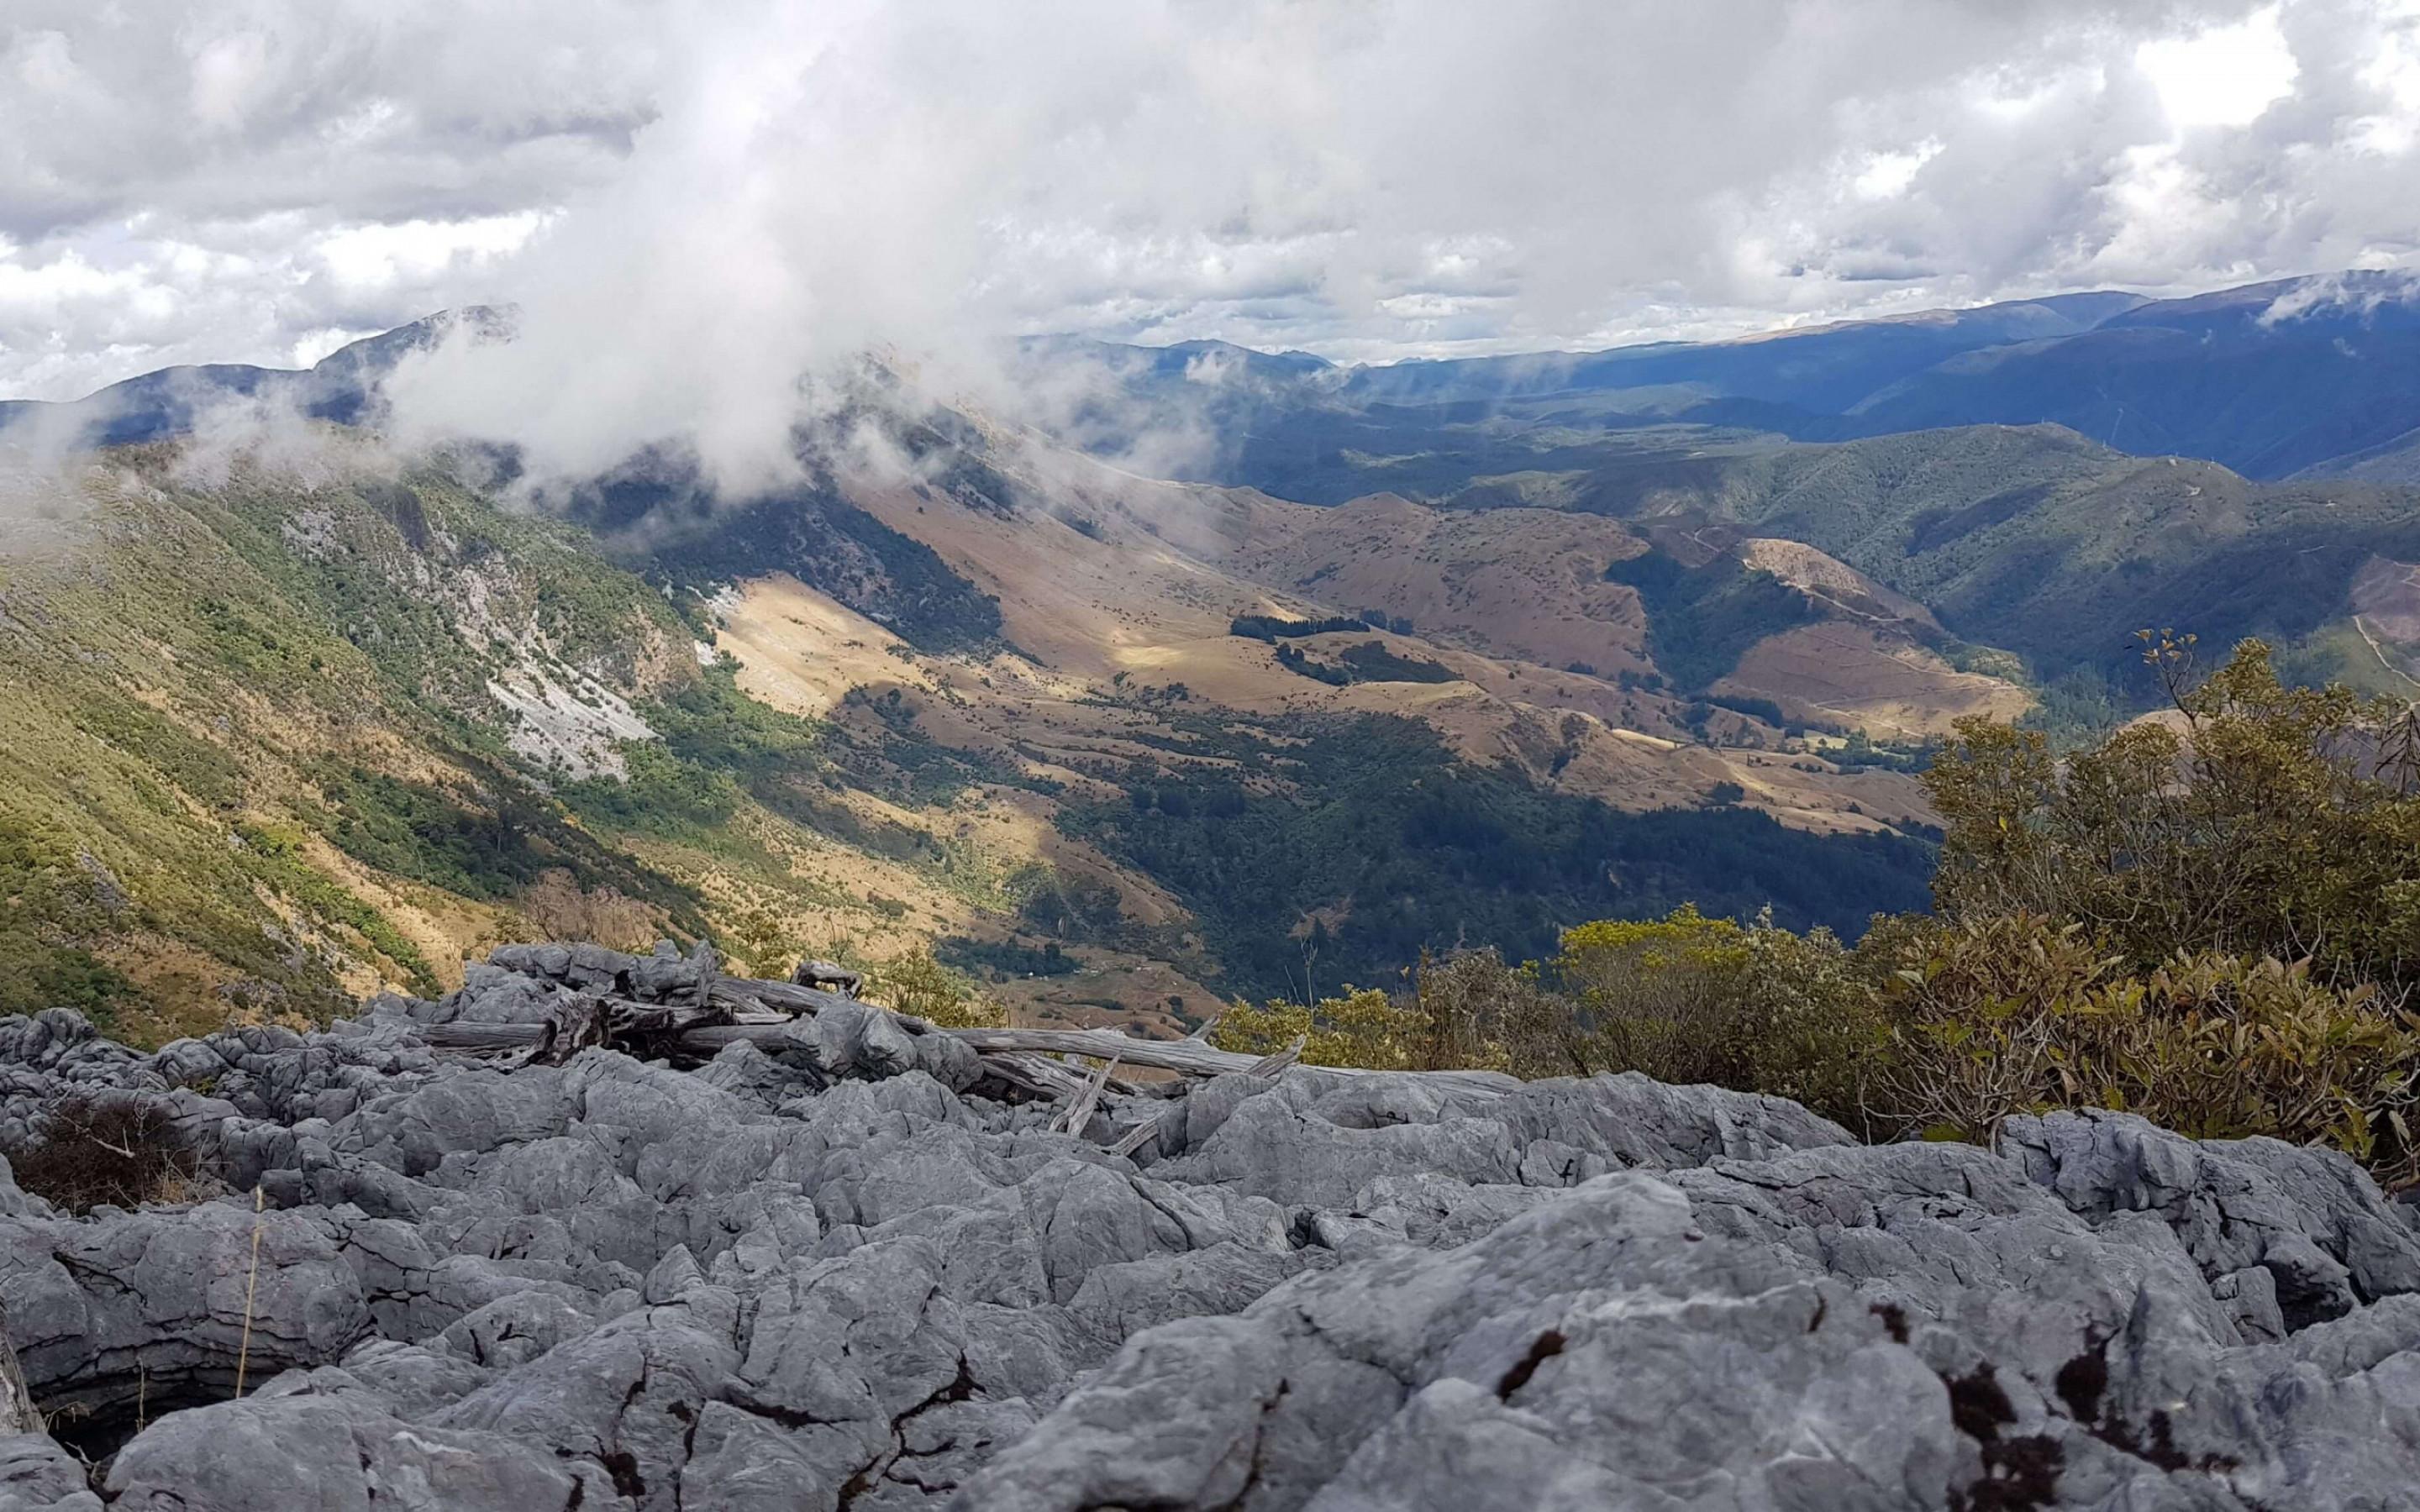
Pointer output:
615, 1285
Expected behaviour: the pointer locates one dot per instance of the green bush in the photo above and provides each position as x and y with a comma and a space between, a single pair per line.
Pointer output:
919, 985
2258, 819
2017, 1013
1365, 1027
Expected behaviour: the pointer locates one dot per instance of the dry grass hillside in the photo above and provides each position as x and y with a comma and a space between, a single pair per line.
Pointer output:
1122, 596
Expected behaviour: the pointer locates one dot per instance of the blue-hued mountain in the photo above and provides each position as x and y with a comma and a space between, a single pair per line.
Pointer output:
153, 406
2271, 380
1824, 369
2318, 375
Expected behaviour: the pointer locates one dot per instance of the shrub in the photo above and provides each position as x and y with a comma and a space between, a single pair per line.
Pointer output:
562, 909
1662, 996
1362, 1029
1686, 998
919, 984
1475, 1011
2018, 1013
1810, 1024
92, 1151
1465, 1012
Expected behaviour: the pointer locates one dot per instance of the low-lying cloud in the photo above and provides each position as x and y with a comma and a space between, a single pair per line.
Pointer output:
702, 211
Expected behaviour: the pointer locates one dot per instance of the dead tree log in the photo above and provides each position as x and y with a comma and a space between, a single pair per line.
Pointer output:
829, 976
1270, 1066
18, 1413
1078, 1113
763, 1012
1190, 1056
787, 999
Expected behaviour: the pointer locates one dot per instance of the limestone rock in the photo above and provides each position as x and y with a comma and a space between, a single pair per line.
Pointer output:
821, 1271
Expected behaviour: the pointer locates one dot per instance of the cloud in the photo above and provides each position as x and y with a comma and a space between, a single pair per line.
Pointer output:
2222, 75
700, 209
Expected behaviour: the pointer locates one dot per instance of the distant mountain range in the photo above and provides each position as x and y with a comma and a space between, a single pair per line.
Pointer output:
2034, 473
2318, 375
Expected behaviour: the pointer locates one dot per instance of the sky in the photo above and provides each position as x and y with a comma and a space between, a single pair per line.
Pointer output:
694, 203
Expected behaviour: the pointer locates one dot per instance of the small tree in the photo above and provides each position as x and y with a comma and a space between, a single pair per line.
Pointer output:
2255, 819
1664, 996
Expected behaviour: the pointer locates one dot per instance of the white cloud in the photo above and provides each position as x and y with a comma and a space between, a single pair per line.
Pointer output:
312, 346
697, 207
1890, 175
378, 257
2223, 76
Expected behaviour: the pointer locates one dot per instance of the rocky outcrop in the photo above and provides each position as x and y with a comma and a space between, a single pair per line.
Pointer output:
818, 1275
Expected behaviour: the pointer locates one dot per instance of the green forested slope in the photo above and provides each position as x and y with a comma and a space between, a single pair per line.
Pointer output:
2035, 539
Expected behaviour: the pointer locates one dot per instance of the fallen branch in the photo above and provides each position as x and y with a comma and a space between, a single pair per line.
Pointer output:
763, 1012
17, 1411
1190, 1056
1270, 1066
786, 999
251, 1289
1079, 1112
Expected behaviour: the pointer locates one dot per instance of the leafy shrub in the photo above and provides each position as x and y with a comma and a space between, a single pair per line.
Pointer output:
919, 984
92, 1151
1660, 996
2018, 1013
1687, 999
1363, 1027
2262, 820
1468, 1011
1475, 1010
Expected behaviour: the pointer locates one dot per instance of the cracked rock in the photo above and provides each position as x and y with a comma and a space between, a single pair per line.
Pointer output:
824, 1273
